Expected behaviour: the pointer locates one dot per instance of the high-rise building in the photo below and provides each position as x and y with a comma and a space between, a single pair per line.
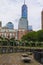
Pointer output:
30, 28
10, 25
42, 19
24, 10
0, 24
23, 22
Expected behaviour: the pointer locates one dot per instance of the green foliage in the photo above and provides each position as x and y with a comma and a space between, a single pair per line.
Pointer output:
4, 43
40, 35
34, 38
31, 36
12, 42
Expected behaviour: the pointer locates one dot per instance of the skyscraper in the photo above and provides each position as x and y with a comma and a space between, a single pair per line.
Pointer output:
23, 22
0, 24
10, 25
42, 19
24, 10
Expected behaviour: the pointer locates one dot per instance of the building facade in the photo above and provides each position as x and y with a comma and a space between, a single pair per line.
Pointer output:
8, 33
42, 19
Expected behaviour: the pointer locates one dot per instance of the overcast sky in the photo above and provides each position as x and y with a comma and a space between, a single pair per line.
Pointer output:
10, 11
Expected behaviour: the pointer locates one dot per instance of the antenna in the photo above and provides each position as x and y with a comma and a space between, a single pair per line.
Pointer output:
24, 1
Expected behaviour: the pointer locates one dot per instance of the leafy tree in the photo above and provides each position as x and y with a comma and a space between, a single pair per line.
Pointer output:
40, 35
31, 36
35, 37
12, 42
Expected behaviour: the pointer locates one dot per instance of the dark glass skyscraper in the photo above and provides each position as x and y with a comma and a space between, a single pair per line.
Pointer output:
23, 22
24, 11
10, 25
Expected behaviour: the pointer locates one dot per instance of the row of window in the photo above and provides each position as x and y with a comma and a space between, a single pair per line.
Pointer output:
6, 34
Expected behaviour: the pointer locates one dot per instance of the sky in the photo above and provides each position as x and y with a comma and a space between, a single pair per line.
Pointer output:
10, 11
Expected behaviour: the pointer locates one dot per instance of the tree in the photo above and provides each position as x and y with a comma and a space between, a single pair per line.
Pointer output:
12, 42
40, 35
31, 36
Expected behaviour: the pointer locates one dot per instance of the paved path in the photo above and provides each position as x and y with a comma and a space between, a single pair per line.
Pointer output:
15, 59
